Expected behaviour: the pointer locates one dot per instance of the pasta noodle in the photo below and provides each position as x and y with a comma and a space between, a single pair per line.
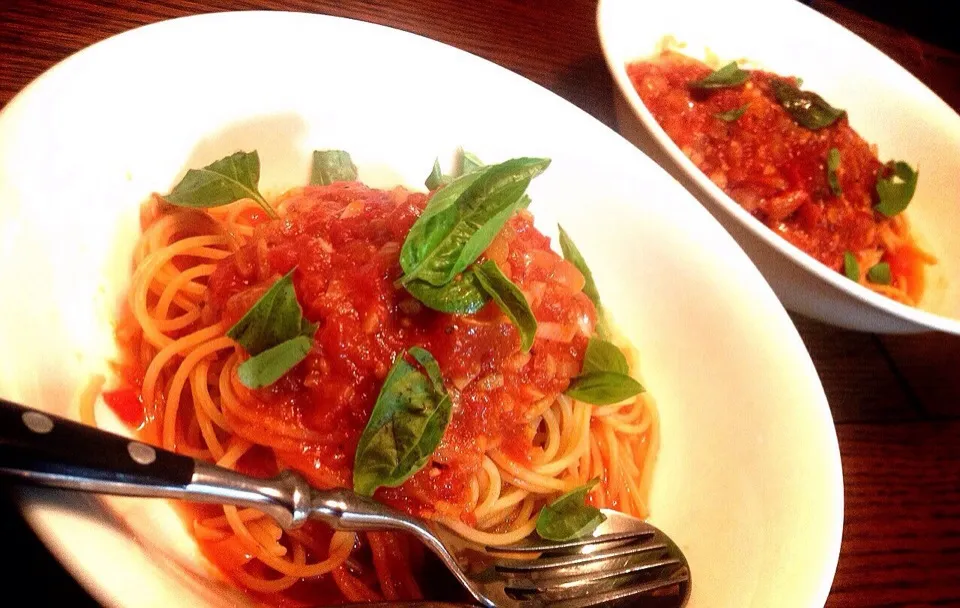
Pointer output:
179, 382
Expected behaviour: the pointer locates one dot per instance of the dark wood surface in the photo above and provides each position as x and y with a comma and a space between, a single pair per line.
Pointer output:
895, 399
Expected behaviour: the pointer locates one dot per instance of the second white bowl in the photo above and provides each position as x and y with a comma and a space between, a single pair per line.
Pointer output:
886, 105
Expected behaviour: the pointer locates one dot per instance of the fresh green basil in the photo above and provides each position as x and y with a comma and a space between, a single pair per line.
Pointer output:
603, 356
833, 163
469, 162
510, 300
332, 166
897, 188
451, 188
807, 109
572, 255
448, 238
276, 334
605, 377
276, 317
437, 212
220, 183
405, 426
603, 388
879, 274
851, 267
461, 296
569, 516
436, 179
270, 365
734, 114
729, 75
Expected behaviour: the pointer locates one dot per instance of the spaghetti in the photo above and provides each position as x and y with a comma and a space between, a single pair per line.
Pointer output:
514, 441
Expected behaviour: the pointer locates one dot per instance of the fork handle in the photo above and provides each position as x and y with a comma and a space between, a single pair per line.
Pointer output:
46, 450
40, 449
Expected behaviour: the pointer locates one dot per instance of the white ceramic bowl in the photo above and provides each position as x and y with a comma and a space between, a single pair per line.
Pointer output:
886, 105
748, 480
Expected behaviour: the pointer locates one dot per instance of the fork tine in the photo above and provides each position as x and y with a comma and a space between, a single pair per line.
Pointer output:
578, 559
532, 546
680, 579
565, 585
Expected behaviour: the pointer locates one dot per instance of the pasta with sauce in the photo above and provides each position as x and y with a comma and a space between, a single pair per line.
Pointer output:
793, 162
519, 431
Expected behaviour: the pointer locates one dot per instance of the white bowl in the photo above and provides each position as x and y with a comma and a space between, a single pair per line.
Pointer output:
886, 105
748, 480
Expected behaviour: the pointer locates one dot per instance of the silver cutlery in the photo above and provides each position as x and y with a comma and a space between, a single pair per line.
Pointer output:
625, 561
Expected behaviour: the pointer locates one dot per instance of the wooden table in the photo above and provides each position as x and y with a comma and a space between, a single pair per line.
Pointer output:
896, 400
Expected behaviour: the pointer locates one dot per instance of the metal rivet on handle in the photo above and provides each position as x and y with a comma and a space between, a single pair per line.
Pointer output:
141, 454
37, 422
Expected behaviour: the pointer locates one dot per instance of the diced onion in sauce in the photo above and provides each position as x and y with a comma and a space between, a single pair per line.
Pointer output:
556, 332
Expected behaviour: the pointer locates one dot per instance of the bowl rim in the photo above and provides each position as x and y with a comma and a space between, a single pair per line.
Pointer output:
617, 67
103, 590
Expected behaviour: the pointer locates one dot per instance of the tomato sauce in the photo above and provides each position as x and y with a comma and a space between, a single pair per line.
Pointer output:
773, 167
126, 404
344, 241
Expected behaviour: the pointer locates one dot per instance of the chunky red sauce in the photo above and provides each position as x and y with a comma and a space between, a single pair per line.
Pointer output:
344, 241
773, 167
126, 404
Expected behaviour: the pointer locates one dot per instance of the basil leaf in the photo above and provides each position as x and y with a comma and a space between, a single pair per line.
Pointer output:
569, 517
332, 166
436, 218
799, 81
405, 426
732, 115
879, 274
441, 202
454, 186
729, 75
469, 162
603, 388
510, 300
833, 163
572, 255
462, 296
220, 183
270, 365
603, 356
276, 317
445, 240
605, 377
807, 109
897, 189
436, 179
851, 267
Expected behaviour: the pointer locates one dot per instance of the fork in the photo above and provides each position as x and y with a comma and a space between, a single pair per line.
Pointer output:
624, 560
